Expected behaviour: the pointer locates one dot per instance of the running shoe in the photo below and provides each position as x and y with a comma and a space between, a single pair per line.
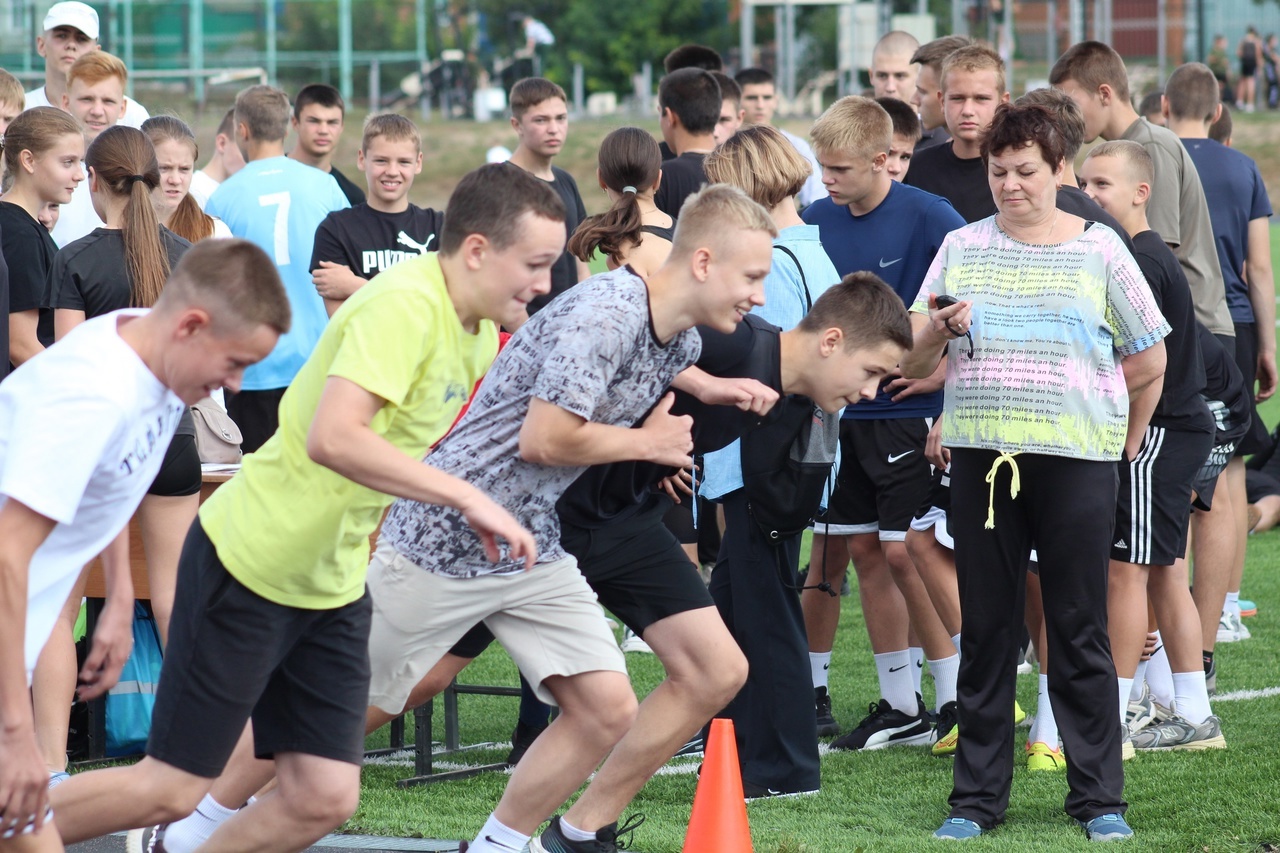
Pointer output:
1107, 827
958, 829
1178, 733
1041, 756
521, 739
946, 730
1211, 677
608, 839
57, 777
1231, 629
1018, 714
1126, 743
752, 791
1248, 608
695, 745
1141, 712
632, 642
886, 726
149, 839
827, 725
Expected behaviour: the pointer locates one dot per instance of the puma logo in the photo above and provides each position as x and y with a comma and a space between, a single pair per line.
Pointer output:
405, 240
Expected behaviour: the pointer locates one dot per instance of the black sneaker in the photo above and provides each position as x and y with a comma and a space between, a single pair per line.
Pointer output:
886, 726
827, 725
696, 745
608, 839
521, 739
752, 791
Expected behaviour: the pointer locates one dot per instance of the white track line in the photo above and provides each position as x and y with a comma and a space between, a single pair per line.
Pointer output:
1244, 695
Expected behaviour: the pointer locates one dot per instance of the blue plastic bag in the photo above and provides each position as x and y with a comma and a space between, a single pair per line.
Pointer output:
130, 702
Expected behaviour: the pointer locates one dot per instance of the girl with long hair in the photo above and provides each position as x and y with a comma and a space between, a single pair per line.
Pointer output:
176, 155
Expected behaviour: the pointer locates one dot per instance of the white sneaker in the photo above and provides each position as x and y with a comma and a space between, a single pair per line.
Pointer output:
1231, 629
632, 642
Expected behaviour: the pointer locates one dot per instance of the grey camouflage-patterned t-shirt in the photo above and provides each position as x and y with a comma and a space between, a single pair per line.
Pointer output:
592, 352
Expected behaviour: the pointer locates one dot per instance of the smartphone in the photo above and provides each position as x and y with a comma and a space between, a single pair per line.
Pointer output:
946, 301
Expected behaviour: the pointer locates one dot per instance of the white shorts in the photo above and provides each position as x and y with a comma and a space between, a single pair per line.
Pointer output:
547, 619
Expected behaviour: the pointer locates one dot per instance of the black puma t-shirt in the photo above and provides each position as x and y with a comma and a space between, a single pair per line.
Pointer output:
367, 241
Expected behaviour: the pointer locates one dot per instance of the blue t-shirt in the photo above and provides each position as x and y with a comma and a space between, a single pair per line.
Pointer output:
279, 203
1236, 195
896, 241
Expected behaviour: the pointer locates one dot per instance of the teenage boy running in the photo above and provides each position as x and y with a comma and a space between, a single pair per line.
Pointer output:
689, 102
352, 246
927, 97
224, 162
971, 86
272, 616
1240, 212
1153, 502
759, 103
869, 222
70, 32
563, 395
318, 116
540, 118
95, 98
84, 426
277, 203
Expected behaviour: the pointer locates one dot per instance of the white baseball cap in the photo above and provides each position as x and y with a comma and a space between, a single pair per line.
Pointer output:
71, 13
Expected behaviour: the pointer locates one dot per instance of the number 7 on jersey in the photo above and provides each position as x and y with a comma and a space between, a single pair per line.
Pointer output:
281, 202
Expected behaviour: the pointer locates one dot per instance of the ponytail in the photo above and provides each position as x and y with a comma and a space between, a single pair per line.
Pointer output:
629, 159
124, 160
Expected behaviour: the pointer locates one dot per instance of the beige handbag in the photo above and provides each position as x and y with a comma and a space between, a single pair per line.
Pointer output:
217, 436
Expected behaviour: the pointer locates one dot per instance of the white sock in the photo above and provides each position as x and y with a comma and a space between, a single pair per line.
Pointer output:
955, 641
1139, 678
819, 666
496, 838
894, 670
944, 679
1046, 727
1160, 676
1191, 696
917, 670
188, 834
1232, 605
1126, 687
572, 832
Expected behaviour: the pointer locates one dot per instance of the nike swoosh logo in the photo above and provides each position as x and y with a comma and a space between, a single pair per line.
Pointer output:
826, 666
889, 264
893, 459
489, 839
896, 668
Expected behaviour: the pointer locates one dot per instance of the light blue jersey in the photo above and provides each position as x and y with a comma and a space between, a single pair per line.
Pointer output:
279, 203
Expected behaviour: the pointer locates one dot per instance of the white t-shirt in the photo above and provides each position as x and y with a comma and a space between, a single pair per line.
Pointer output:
134, 113
202, 186
77, 217
83, 430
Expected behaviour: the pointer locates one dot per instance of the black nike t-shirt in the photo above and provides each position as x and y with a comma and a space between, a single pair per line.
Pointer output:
353, 191
1180, 407
367, 241
28, 253
564, 274
605, 493
681, 177
962, 182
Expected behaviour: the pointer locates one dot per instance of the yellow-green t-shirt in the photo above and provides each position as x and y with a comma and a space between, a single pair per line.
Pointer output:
297, 533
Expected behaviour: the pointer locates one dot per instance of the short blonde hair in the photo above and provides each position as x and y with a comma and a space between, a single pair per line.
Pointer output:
973, 57
96, 66
762, 162
1137, 161
714, 216
391, 126
234, 280
853, 125
11, 91
264, 110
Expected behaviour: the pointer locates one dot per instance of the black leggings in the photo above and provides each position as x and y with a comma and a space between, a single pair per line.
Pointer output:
1066, 507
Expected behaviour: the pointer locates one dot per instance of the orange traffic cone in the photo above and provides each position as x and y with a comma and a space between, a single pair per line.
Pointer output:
719, 820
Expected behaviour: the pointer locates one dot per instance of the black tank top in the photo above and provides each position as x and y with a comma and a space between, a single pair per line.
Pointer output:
660, 231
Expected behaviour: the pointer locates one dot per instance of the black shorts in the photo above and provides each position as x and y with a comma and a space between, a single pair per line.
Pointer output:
883, 479
1260, 484
1153, 504
1256, 439
257, 413
302, 676
179, 474
637, 567
679, 520
1207, 479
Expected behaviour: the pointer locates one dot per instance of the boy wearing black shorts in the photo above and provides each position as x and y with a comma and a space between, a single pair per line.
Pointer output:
1153, 502
354, 245
272, 615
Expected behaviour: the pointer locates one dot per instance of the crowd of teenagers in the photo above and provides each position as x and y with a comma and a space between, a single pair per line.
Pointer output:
929, 287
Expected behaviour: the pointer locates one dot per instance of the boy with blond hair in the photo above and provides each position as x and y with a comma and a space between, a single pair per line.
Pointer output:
352, 246
871, 222
972, 85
